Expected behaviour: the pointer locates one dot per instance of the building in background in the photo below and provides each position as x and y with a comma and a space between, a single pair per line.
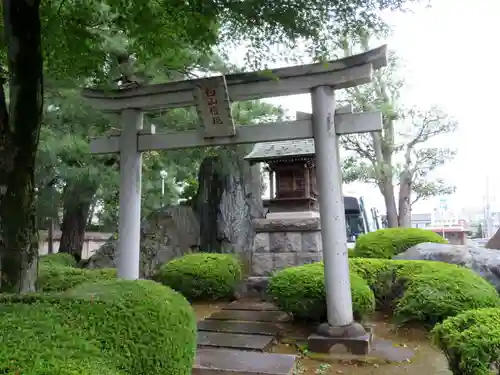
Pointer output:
482, 222
443, 215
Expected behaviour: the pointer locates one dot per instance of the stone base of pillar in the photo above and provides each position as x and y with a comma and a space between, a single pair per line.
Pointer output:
353, 339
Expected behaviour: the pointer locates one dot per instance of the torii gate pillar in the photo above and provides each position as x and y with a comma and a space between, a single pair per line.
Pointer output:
340, 327
129, 236
331, 206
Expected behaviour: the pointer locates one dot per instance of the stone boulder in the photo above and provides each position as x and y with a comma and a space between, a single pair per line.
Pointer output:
494, 242
166, 234
229, 197
483, 261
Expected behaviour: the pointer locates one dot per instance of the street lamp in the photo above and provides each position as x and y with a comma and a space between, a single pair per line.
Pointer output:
163, 175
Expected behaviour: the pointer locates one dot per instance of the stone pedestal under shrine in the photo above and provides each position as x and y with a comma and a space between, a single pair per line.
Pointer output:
285, 242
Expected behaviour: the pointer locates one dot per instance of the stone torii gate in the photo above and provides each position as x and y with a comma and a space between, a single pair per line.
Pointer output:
212, 96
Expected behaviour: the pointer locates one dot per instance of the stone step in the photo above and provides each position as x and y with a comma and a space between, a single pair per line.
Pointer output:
250, 316
234, 341
235, 362
251, 306
255, 328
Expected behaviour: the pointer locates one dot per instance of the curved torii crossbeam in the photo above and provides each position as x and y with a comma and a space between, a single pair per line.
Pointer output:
346, 72
212, 96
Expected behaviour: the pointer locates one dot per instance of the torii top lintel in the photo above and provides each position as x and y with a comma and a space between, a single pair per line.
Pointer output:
347, 72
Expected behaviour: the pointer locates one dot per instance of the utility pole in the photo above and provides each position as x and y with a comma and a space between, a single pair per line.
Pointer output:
163, 175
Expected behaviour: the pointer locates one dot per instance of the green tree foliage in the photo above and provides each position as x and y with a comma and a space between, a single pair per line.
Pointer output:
67, 175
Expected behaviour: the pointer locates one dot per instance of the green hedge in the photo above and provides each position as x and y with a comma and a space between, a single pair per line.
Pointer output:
58, 259
202, 276
422, 291
114, 327
432, 297
58, 272
301, 291
471, 341
59, 278
385, 243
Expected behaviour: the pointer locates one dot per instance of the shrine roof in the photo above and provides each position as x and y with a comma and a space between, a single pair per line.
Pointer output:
267, 151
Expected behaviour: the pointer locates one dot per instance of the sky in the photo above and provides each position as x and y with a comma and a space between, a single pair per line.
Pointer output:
448, 52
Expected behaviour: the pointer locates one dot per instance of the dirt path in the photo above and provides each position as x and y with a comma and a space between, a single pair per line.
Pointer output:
204, 310
427, 360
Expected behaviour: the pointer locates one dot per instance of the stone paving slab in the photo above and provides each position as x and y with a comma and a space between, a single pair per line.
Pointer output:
251, 306
385, 349
234, 341
250, 316
256, 328
224, 361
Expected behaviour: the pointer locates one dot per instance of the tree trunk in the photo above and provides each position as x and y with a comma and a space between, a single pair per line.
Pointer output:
77, 201
383, 162
404, 205
387, 190
50, 237
228, 198
19, 132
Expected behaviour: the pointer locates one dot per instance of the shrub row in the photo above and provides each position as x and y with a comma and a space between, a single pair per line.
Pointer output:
114, 327
428, 292
57, 260
56, 279
422, 291
385, 243
58, 272
431, 292
197, 276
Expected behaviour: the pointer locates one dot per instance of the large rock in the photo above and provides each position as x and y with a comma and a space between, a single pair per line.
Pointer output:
229, 197
485, 262
166, 234
494, 242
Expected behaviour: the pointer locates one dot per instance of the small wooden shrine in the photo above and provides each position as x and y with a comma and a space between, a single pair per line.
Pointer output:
292, 174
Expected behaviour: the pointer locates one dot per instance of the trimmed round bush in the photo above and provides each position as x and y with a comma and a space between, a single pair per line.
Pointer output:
433, 293
61, 278
471, 341
414, 291
301, 291
202, 276
116, 327
424, 291
390, 278
58, 259
386, 243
